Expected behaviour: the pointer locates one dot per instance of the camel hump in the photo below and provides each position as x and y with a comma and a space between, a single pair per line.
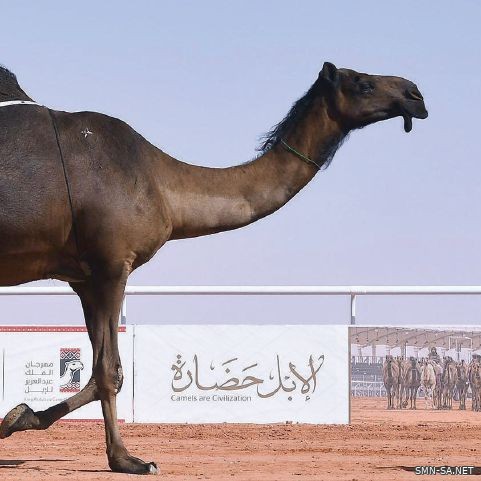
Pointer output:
9, 88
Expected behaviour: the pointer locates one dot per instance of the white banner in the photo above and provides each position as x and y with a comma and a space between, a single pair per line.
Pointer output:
42, 366
241, 374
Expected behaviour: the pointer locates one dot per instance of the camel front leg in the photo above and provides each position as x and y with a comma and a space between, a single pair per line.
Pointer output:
103, 301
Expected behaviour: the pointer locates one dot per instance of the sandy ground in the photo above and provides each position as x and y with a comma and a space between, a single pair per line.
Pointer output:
378, 445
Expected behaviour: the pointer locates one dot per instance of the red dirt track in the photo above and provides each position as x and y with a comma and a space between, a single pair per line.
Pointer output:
374, 447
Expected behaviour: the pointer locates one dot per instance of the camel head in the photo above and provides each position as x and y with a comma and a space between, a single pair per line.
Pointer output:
358, 99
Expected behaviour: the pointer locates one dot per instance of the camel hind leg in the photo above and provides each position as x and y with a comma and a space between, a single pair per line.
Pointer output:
23, 418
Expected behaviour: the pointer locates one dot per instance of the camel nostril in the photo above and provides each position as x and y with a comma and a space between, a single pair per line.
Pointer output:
414, 94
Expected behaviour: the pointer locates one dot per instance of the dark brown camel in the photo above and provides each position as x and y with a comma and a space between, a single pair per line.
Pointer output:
412, 381
115, 199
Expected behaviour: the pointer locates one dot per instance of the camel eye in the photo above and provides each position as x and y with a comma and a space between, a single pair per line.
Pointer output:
366, 87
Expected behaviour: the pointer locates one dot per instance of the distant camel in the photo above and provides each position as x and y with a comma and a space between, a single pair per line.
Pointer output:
448, 380
474, 377
462, 383
401, 386
412, 381
87, 200
438, 388
390, 373
428, 382
404, 365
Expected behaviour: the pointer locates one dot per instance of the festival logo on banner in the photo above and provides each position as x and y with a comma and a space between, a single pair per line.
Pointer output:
70, 367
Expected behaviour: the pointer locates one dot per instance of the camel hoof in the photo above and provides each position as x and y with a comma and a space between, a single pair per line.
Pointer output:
20, 418
132, 465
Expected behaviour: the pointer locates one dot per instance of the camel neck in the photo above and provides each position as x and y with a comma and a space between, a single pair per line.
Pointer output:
204, 200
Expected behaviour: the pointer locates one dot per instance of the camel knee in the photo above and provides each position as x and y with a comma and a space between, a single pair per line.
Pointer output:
109, 379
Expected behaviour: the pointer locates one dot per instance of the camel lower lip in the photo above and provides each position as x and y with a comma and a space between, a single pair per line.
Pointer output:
408, 123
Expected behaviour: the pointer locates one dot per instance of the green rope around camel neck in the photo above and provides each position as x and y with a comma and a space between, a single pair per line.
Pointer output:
299, 154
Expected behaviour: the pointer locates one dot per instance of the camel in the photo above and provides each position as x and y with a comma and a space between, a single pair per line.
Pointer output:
404, 366
474, 377
428, 382
87, 200
461, 383
390, 374
449, 380
411, 381
401, 388
438, 388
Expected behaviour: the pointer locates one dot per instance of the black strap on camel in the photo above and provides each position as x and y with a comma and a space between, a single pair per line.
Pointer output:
67, 183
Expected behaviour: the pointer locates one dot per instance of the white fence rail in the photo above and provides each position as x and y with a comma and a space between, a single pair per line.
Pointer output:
349, 291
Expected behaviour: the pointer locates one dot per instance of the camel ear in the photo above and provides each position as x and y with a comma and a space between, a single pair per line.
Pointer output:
329, 73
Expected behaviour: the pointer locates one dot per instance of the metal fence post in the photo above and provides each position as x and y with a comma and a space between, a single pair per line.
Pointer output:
353, 309
123, 311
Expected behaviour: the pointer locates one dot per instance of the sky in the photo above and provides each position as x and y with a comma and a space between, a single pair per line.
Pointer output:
203, 81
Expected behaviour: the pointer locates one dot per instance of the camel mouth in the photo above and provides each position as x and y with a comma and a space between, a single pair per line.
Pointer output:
408, 122
413, 109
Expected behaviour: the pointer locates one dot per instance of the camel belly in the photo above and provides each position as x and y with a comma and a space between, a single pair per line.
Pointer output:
27, 267
17, 269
